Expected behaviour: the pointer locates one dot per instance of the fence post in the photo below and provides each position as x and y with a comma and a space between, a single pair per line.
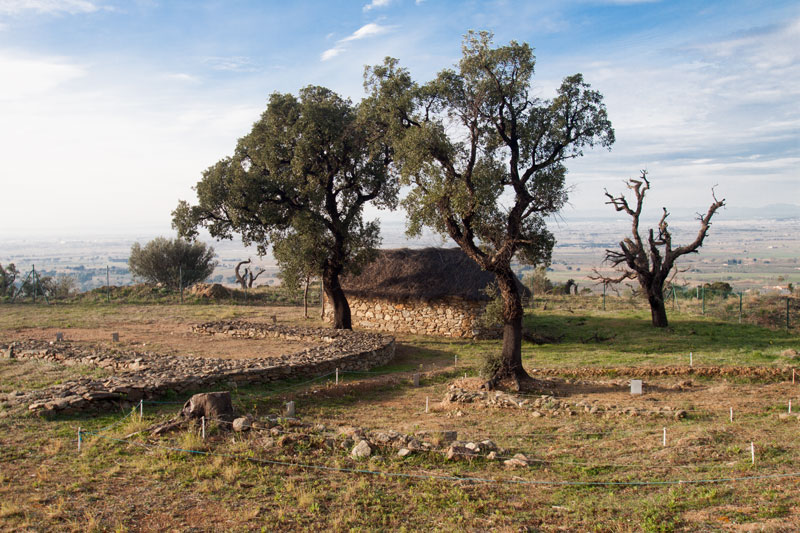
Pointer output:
108, 285
704, 299
180, 280
787, 314
604, 296
740, 307
33, 271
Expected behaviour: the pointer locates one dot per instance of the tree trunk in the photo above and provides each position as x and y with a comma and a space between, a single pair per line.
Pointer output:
241, 280
322, 299
341, 309
657, 308
511, 364
305, 299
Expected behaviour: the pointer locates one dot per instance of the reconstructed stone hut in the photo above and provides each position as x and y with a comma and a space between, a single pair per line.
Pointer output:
430, 291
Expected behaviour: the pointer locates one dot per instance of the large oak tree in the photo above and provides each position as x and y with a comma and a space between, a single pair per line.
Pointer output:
485, 160
308, 166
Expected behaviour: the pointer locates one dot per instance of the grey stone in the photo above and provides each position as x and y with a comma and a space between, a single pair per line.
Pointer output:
242, 424
404, 452
455, 452
361, 450
518, 460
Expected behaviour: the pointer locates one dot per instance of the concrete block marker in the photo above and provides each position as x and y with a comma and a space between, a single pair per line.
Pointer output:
636, 386
59, 336
416, 379
115, 337
290, 409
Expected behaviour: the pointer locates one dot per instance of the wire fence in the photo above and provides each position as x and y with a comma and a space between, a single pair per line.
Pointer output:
178, 286
773, 310
730, 462
777, 311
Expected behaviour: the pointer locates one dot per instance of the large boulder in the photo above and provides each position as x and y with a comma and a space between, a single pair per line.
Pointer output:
212, 405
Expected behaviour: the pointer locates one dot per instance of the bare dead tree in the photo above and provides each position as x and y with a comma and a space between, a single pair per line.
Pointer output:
240, 279
650, 261
252, 278
246, 279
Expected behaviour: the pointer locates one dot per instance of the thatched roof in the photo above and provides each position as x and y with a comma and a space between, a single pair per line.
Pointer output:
421, 274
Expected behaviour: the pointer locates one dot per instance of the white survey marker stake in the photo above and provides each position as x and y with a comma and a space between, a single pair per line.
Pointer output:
636, 386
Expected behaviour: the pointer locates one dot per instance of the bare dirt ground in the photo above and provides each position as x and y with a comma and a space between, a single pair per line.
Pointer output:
170, 339
166, 331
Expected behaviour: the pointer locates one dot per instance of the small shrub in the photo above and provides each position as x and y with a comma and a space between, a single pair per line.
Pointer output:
492, 361
172, 262
493, 313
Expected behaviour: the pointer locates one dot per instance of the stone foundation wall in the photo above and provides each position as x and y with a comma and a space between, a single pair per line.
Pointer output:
146, 375
452, 317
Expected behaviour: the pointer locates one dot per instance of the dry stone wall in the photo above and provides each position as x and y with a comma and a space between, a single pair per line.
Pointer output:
451, 317
143, 375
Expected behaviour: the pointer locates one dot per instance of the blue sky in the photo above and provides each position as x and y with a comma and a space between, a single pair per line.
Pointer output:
110, 110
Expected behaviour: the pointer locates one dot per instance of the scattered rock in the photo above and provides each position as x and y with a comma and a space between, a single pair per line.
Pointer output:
456, 452
361, 450
404, 452
242, 423
518, 460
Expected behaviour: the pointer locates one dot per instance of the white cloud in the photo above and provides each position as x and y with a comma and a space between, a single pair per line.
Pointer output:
72, 7
24, 77
183, 77
376, 4
330, 53
367, 30
364, 32
720, 111
107, 145
231, 64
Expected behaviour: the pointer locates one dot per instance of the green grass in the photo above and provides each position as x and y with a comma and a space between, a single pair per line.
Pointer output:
46, 485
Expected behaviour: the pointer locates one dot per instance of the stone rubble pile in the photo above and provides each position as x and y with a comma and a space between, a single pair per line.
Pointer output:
548, 405
143, 375
361, 443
